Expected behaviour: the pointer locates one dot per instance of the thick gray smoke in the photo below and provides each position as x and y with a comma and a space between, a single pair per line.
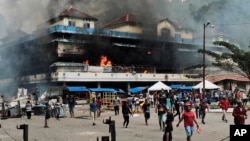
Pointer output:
230, 17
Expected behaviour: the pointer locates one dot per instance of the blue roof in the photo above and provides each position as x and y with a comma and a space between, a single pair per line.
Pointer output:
77, 88
187, 88
176, 86
137, 89
102, 90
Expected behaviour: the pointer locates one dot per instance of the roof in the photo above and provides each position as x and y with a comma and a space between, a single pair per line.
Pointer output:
77, 88
137, 89
103, 90
72, 12
221, 77
128, 18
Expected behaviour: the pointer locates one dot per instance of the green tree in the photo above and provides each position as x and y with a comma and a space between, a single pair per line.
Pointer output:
236, 60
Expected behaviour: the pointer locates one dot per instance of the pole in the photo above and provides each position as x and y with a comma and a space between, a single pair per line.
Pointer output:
204, 61
204, 48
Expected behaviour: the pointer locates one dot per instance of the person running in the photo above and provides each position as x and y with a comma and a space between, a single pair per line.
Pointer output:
224, 105
167, 136
203, 107
239, 114
28, 107
116, 102
161, 110
93, 109
125, 112
189, 119
146, 110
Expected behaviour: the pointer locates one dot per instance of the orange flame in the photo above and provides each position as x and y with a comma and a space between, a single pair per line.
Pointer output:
104, 61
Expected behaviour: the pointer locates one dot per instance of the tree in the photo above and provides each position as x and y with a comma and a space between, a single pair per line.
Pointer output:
235, 60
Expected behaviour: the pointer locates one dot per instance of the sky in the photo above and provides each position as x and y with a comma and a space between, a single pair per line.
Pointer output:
229, 17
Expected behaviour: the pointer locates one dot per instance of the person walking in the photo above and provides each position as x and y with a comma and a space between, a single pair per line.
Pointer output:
146, 110
116, 102
239, 114
177, 105
99, 105
197, 103
47, 114
203, 107
189, 120
28, 108
58, 106
71, 103
93, 109
224, 105
125, 112
161, 110
167, 136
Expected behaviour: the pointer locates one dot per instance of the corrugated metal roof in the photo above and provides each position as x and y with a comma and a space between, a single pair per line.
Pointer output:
220, 77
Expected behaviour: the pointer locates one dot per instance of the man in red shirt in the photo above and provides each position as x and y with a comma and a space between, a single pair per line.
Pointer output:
189, 119
239, 114
224, 105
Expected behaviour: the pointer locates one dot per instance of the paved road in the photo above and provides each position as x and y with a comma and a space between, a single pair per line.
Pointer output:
81, 129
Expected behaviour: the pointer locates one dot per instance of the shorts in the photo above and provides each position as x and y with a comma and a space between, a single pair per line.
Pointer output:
147, 115
189, 130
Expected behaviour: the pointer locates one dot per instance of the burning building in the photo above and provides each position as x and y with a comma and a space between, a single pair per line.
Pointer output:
70, 50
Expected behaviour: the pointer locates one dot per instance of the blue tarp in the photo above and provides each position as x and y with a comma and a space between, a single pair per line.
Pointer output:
187, 88
137, 89
102, 90
77, 88
176, 86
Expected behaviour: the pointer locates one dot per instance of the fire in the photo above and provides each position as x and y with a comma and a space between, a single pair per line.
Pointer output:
104, 61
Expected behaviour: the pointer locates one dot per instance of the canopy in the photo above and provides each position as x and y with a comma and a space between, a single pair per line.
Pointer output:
137, 89
77, 88
159, 86
176, 86
208, 85
187, 88
102, 90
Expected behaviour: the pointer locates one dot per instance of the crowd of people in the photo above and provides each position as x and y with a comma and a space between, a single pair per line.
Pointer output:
167, 105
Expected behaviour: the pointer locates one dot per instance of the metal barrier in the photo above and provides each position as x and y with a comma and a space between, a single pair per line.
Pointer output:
111, 124
25, 128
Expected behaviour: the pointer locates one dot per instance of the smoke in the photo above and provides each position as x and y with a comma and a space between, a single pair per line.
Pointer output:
230, 17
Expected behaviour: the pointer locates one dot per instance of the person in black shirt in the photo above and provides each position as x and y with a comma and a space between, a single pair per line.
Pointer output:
126, 111
71, 103
167, 136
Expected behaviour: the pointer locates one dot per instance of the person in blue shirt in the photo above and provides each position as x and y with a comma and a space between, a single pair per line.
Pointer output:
93, 109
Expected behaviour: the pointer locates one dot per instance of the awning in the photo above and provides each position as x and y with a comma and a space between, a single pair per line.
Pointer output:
137, 89
102, 90
187, 88
176, 86
77, 89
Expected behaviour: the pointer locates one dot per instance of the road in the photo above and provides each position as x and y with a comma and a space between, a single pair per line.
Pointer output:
80, 128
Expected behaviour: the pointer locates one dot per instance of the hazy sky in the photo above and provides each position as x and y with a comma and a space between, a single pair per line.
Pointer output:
230, 17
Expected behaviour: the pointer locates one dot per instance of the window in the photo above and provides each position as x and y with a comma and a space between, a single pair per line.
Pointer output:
72, 23
86, 25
